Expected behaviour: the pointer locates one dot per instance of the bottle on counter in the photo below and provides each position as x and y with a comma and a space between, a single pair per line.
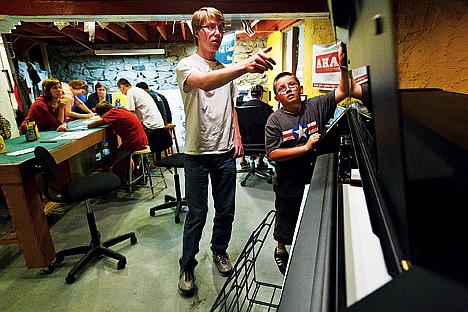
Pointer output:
31, 131
3, 148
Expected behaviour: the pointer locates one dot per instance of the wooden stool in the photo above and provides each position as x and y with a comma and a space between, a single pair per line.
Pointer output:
146, 171
172, 131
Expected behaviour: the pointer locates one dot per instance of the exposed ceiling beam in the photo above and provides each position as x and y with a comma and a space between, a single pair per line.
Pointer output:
75, 34
68, 30
161, 27
140, 29
37, 32
182, 27
118, 30
159, 7
98, 34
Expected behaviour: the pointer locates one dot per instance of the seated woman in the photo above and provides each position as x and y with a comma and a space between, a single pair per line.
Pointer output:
126, 125
49, 110
99, 96
71, 90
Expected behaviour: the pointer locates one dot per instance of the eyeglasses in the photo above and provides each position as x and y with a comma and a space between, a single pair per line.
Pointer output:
213, 27
284, 89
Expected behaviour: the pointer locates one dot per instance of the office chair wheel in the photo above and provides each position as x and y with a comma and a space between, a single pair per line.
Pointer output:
121, 264
70, 279
177, 219
270, 180
152, 213
243, 183
49, 269
133, 240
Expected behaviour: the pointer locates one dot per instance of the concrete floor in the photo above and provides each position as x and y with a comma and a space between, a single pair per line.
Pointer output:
149, 281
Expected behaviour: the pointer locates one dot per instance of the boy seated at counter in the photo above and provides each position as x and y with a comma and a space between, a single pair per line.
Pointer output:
126, 125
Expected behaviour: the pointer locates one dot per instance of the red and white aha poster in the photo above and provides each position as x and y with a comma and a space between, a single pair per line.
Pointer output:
326, 67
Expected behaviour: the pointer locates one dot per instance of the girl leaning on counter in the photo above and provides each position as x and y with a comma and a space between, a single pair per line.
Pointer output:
49, 110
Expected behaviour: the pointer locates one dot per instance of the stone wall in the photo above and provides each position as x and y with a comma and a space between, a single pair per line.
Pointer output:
158, 71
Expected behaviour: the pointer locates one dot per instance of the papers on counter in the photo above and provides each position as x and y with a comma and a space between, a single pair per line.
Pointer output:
73, 135
21, 152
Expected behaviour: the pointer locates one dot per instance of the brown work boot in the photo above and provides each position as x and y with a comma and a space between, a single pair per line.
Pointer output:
223, 264
187, 287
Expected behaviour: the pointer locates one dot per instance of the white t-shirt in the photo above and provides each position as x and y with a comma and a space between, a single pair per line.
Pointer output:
139, 101
209, 124
67, 91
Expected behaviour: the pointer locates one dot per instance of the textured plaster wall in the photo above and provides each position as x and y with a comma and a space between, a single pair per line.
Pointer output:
432, 44
275, 40
316, 31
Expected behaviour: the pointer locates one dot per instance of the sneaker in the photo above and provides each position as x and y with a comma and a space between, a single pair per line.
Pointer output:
186, 285
223, 264
281, 260
244, 165
262, 166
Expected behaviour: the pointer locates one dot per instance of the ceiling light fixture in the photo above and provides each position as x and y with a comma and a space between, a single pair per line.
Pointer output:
131, 52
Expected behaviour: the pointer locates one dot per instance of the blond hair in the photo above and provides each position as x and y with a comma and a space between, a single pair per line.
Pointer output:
204, 15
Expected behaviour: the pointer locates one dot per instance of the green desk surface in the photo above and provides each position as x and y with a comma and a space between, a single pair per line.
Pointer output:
20, 143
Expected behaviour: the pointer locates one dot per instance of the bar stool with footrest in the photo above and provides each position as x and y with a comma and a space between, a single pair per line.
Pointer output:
82, 189
171, 129
144, 163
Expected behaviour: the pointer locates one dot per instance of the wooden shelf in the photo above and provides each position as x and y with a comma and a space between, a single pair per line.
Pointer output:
9, 238
12, 238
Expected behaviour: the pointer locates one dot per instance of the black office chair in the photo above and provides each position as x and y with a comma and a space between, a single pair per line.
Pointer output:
82, 189
159, 141
173, 161
252, 121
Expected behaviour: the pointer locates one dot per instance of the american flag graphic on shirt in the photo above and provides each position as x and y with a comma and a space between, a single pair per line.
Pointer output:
300, 132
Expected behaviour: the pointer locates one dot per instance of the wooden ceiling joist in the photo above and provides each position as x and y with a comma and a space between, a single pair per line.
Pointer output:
99, 33
102, 35
182, 27
75, 34
141, 29
118, 31
161, 27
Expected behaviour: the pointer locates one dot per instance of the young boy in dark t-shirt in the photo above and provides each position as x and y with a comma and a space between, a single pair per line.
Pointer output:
126, 125
290, 135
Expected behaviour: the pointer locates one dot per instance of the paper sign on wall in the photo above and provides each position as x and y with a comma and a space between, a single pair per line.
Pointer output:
119, 100
326, 66
226, 50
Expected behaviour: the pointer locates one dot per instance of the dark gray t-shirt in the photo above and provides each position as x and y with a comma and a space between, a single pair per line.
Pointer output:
285, 130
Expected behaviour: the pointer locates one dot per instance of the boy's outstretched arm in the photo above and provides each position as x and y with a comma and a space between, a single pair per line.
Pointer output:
343, 88
96, 123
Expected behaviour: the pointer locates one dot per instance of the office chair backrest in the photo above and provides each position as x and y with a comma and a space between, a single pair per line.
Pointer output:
49, 169
46, 163
252, 121
159, 140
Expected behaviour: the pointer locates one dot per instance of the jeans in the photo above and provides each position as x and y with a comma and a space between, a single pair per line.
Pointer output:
115, 156
221, 168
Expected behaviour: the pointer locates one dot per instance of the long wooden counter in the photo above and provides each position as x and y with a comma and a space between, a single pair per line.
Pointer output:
22, 195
